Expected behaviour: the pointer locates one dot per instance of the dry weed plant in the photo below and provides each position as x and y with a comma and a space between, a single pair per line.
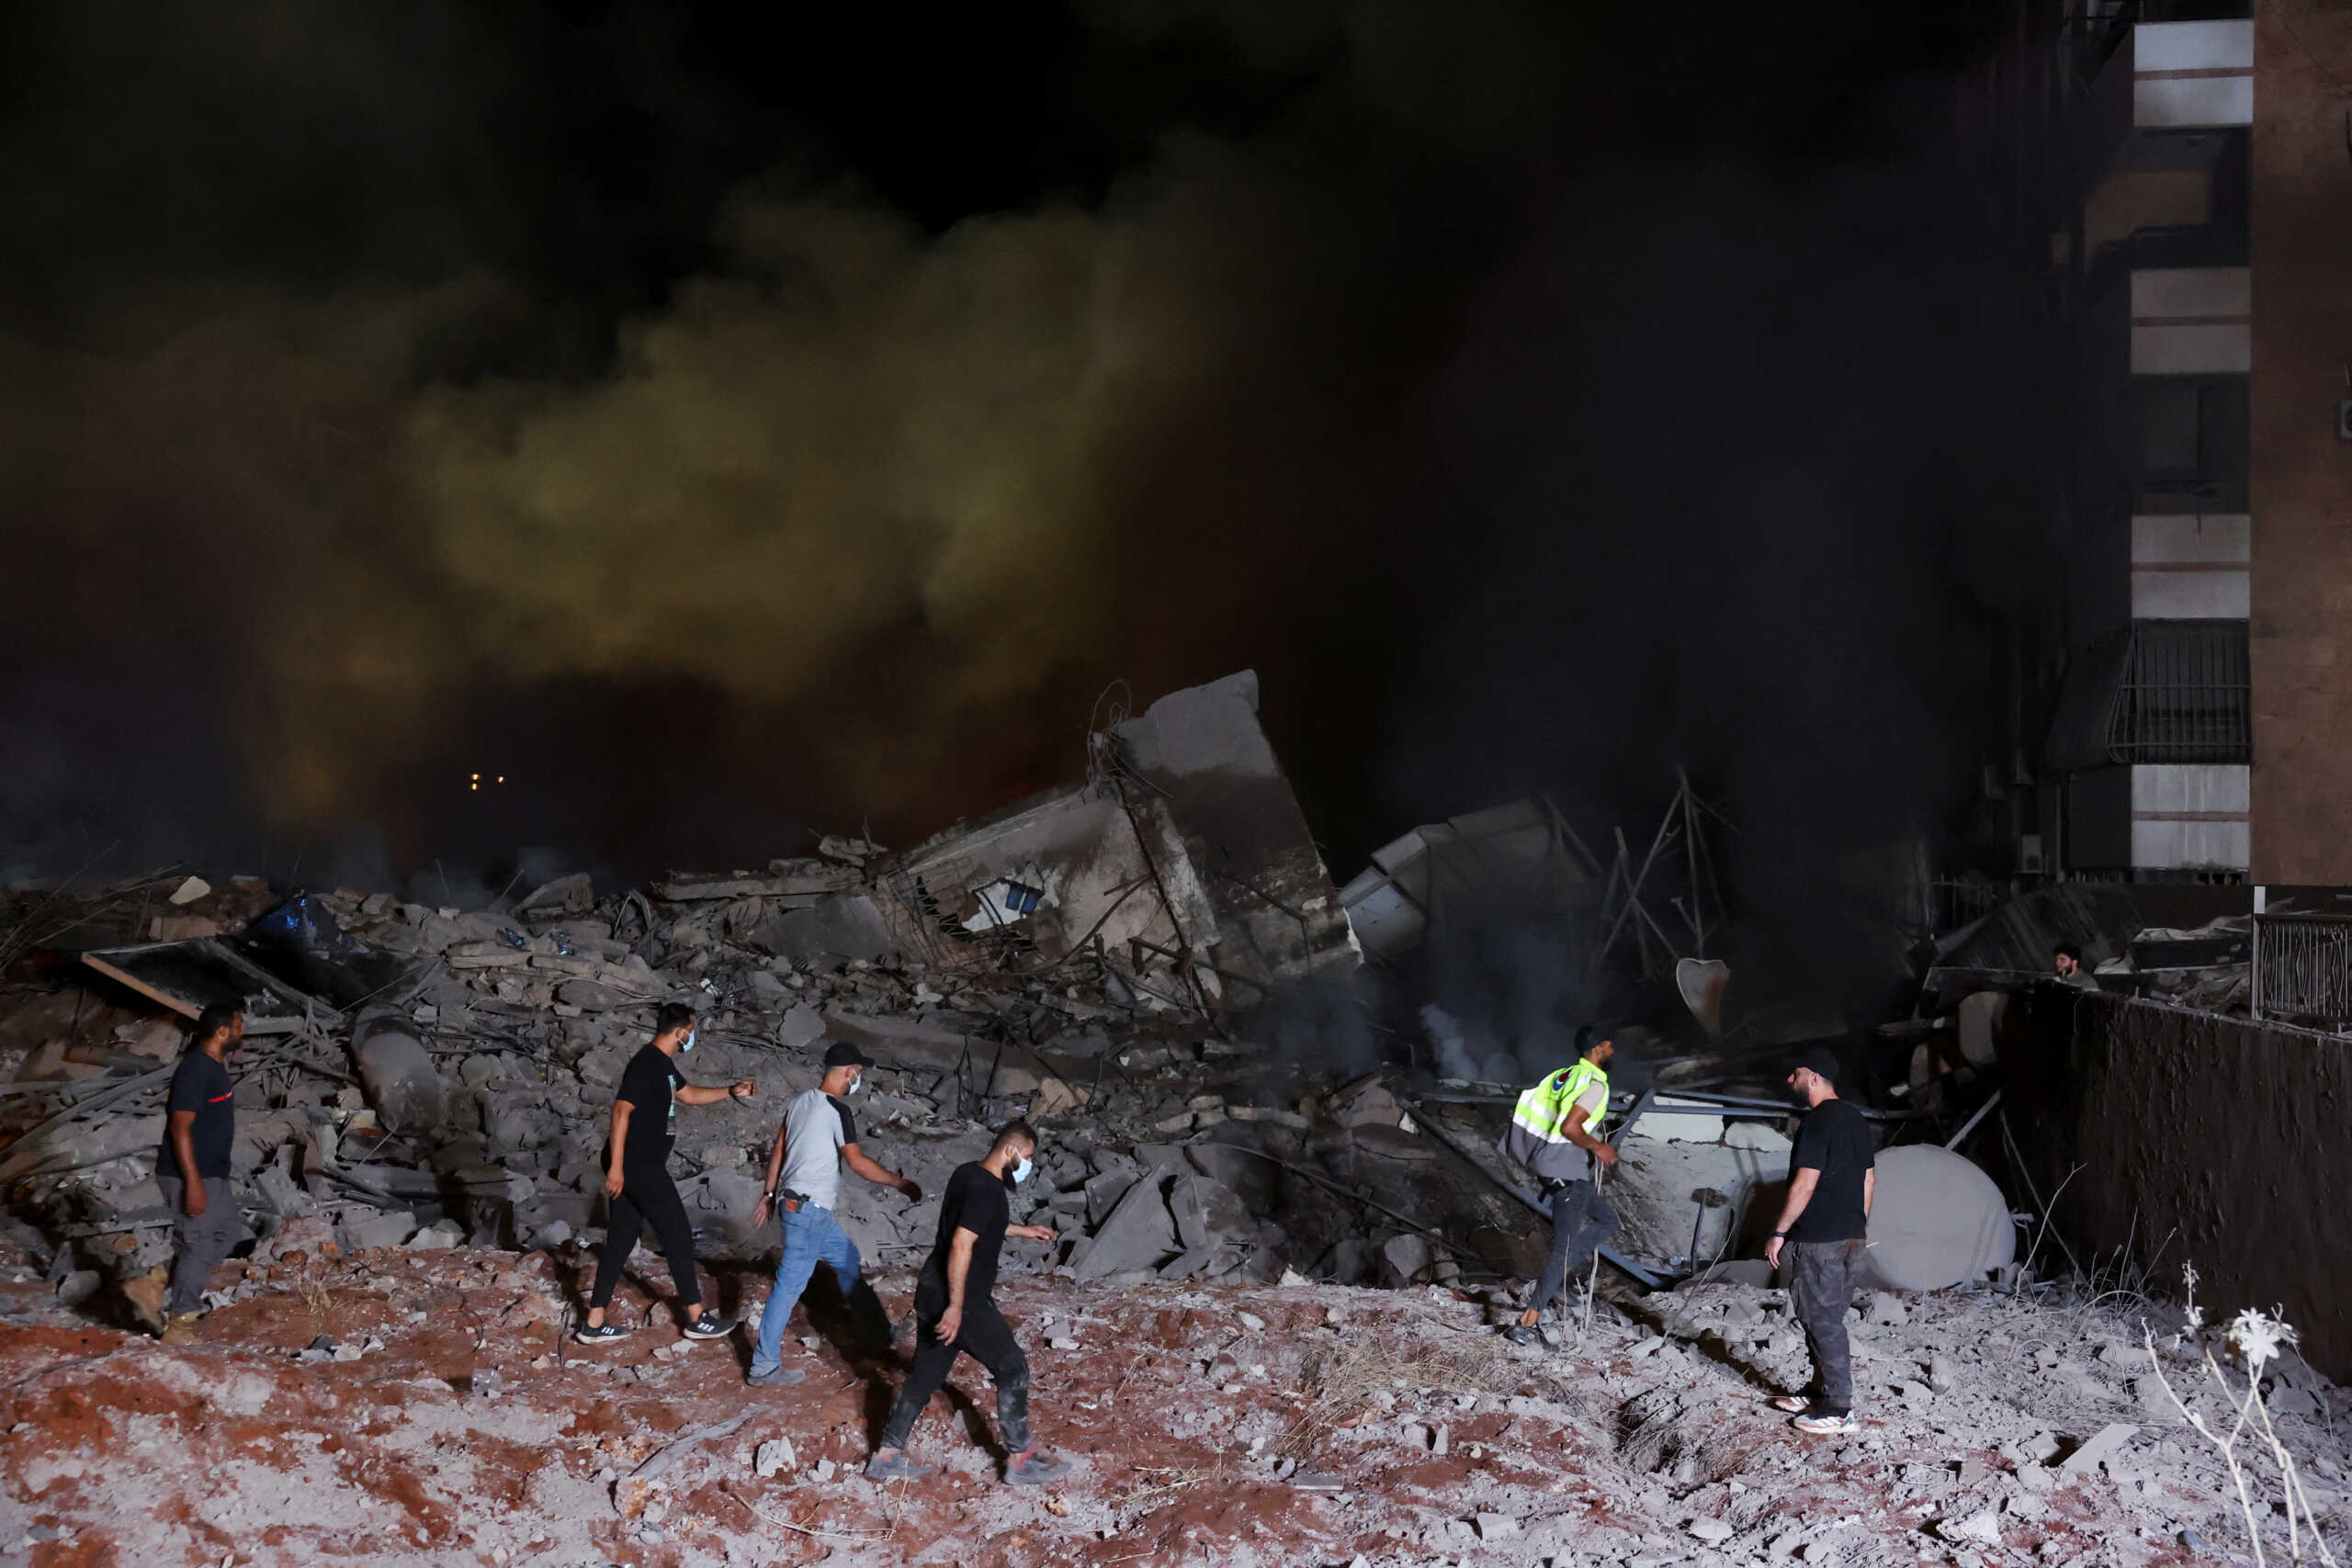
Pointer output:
1340, 1379
2254, 1338
317, 1300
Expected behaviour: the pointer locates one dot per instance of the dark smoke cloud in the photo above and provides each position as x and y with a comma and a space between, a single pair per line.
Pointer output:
706, 478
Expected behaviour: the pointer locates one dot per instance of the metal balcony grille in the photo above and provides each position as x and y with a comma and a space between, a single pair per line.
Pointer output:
2302, 968
2185, 695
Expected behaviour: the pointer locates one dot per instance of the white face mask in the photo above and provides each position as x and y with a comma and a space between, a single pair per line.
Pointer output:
1020, 1172
687, 1043
855, 1084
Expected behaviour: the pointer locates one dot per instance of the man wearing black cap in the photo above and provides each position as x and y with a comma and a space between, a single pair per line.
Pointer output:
1822, 1231
819, 1136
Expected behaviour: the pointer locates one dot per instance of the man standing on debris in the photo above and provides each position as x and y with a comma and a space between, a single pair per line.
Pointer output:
956, 1314
1555, 1134
819, 1136
192, 1167
2067, 965
1822, 1231
637, 1175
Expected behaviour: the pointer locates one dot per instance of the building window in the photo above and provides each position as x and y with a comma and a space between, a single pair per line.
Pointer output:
2186, 694
2193, 437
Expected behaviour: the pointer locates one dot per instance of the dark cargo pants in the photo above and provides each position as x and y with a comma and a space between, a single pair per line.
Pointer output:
1822, 1278
1581, 1220
199, 1243
986, 1337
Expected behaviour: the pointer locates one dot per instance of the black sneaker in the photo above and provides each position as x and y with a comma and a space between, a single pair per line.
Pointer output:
1521, 1334
710, 1326
599, 1334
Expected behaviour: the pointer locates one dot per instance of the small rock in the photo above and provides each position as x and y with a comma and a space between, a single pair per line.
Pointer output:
823, 1472
1983, 1527
1713, 1531
773, 1459
1063, 1342
1494, 1526
1443, 1439
1253, 1323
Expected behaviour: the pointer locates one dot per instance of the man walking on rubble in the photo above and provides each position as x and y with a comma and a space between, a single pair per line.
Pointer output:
637, 1175
192, 1167
955, 1315
1555, 1134
1822, 1234
817, 1137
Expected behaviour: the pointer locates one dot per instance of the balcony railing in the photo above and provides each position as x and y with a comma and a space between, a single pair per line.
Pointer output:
2302, 969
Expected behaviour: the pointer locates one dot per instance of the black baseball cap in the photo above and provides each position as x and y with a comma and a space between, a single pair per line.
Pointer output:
1819, 1059
842, 1053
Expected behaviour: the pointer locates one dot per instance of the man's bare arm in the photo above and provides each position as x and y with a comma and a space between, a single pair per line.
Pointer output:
881, 1176
1801, 1187
621, 1109
959, 1269
1870, 1190
183, 1126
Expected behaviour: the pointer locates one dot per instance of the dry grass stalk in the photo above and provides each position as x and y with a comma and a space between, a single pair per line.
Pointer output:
1342, 1379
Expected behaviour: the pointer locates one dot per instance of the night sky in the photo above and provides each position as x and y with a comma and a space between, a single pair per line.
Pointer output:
730, 423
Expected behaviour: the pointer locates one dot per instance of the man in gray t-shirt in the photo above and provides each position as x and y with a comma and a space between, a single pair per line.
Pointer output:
819, 1136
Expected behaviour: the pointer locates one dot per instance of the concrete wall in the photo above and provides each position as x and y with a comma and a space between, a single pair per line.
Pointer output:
2215, 1141
2302, 474
2191, 566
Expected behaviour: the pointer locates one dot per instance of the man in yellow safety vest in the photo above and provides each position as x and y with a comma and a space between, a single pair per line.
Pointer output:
1555, 1134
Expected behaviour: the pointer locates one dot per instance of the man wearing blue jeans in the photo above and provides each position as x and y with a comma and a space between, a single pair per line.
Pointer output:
819, 1136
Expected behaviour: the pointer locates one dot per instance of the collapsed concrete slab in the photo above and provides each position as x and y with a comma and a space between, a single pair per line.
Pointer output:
1183, 860
1478, 858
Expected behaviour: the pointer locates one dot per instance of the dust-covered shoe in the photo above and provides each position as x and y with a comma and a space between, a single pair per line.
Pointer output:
600, 1334
775, 1377
1795, 1403
710, 1326
179, 1328
1827, 1424
1034, 1467
895, 1467
1520, 1334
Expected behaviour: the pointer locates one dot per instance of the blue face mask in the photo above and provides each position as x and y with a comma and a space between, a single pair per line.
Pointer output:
1021, 1172
688, 1043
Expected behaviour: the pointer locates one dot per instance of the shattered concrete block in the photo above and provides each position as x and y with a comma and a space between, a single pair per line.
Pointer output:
438, 1237
801, 1027
1494, 1527
1713, 1531
1140, 1234
1407, 1256
774, 1457
1209, 1213
1983, 1526
189, 891
1056, 1097
1103, 1191
401, 1082
2106, 1441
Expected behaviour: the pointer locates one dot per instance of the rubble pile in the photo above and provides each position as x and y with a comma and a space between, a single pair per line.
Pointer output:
429, 1405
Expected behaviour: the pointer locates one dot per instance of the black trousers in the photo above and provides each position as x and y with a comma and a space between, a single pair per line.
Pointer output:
1823, 1276
986, 1337
647, 1197
1581, 1220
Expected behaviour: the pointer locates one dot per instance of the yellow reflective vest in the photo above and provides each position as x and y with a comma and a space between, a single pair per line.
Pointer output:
1538, 1137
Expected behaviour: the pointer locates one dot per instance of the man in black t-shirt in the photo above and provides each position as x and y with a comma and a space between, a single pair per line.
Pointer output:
637, 1175
192, 1165
956, 1314
1822, 1234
